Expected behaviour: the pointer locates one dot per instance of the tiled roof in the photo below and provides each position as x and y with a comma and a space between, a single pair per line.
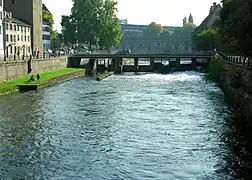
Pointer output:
18, 22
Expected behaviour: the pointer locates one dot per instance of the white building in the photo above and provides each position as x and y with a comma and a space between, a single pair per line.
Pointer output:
1, 31
18, 38
46, 39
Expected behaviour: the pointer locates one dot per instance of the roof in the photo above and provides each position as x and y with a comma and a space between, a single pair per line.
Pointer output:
204, 23
136, 27
45, 8
18, 22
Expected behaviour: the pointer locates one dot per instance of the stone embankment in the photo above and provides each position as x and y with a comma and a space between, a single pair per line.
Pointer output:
15, 69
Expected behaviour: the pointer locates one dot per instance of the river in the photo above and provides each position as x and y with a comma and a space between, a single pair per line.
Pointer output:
131, 126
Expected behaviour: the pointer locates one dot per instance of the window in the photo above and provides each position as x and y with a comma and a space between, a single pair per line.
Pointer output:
25, 38
21, 37
7, 37
13, 1
0, 28
1, 2
15, 27
10, 26
11, 49
11, 38
1, 14
21, 29
15, 49
7, 26
18, 37
14, 38
28, 38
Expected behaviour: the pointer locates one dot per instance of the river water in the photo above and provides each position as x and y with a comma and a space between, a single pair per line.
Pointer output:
131, 126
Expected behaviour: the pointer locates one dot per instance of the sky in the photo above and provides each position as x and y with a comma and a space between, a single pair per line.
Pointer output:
165, 12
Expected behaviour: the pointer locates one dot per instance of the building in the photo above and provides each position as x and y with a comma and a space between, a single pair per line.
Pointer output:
1, 31
46, 34
213, 16
179, 41
18, 38
46, 39
29, 12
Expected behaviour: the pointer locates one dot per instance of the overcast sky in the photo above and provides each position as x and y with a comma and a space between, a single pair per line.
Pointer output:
165, 12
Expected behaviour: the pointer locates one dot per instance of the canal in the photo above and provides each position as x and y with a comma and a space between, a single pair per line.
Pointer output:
131, 126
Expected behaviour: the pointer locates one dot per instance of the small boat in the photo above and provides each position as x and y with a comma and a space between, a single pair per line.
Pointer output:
27, 87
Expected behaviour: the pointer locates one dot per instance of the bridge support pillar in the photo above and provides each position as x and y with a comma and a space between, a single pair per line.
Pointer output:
178, 62
136, 64
194, 62
152, 63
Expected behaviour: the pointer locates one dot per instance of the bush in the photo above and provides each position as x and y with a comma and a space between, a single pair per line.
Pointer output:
216, 69
237, 76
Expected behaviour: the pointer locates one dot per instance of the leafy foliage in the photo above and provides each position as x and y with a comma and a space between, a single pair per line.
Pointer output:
237, 76
206, 39
153, 31
93, 22
216, 69
48, 17
68, 30
236, 27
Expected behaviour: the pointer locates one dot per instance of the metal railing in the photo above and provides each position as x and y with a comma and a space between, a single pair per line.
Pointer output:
236, 60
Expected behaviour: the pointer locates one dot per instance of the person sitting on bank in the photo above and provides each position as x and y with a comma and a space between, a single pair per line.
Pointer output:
38, 78
31, 79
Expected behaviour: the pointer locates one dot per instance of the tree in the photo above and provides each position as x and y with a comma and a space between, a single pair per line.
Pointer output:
96, 22
190, 19
236, 27
206, 39
68, 30
48, 17
153, 31
165, 35
111, 32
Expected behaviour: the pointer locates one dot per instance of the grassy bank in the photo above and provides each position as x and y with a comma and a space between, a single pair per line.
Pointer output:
10, 86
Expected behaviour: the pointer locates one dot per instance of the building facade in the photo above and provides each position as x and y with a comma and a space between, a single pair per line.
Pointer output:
179, 40
1, 31
18, 38
46, 39
29, 12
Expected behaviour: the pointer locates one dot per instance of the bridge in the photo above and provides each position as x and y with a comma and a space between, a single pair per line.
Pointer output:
153, 62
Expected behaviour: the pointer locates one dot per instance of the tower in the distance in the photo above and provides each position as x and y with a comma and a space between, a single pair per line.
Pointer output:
30, 12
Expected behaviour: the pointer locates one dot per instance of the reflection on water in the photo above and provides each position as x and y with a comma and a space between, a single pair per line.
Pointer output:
131, 126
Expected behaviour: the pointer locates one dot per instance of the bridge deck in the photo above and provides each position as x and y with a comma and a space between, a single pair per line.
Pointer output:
141, 56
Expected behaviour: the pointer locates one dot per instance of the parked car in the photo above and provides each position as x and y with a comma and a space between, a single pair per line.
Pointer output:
125, 52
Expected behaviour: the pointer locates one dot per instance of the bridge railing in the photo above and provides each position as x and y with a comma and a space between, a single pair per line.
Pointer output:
236, 60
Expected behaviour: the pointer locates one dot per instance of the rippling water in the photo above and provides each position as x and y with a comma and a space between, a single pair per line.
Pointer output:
131, 126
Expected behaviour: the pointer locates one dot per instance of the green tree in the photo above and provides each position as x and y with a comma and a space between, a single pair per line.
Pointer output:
96, 23
68, 30
153, 31
206, 39
111, 32
236, 27
48, 17
165, 35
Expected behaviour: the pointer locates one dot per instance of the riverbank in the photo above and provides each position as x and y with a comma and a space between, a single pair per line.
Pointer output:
235, 82
46, 79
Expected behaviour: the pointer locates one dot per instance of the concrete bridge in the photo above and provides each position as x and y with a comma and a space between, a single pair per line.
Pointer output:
152, 62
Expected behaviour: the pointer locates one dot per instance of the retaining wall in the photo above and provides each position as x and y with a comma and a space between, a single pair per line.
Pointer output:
12, 70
